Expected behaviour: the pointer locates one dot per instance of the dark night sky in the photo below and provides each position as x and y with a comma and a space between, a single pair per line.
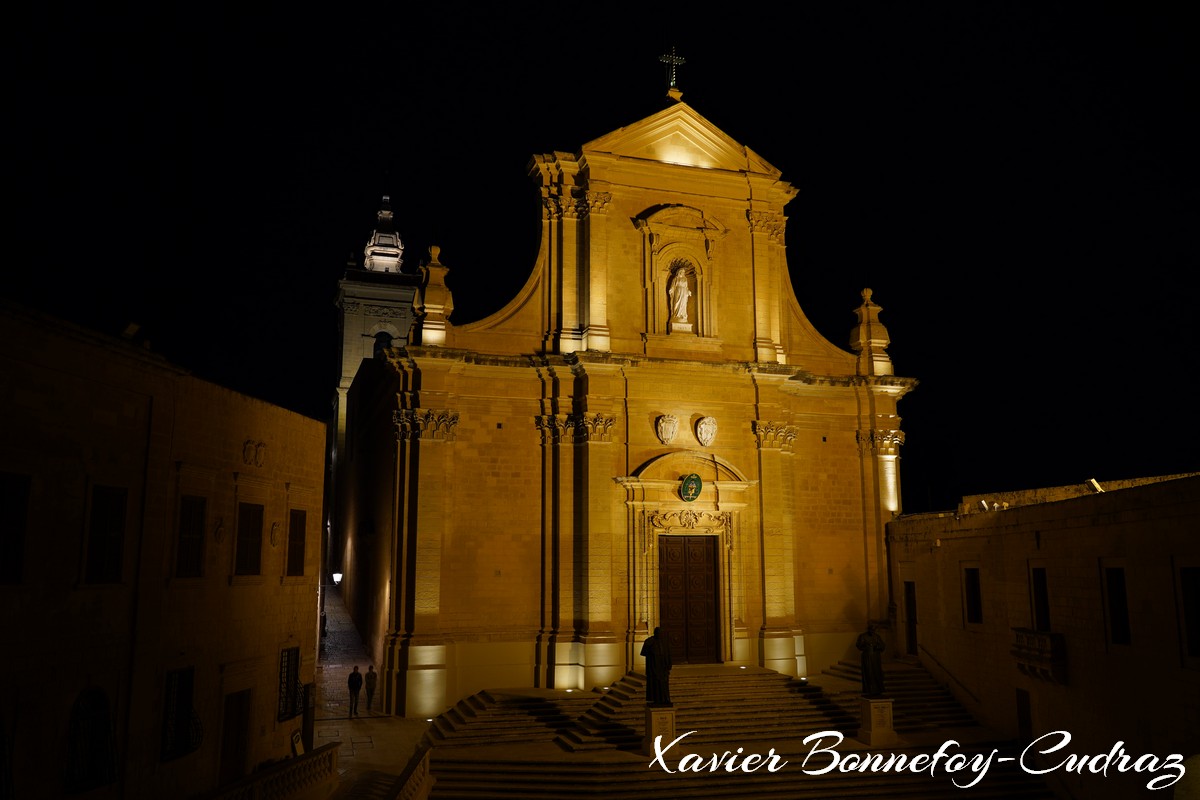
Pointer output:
1015, 181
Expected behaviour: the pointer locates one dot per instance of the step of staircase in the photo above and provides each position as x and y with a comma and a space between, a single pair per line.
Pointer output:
472, 778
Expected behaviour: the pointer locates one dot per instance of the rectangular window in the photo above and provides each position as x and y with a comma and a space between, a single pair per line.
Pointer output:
177, 739
1189, 606
297, 531
106, 534
248, 559
972, 595
1117, 601
189, 558
291, 693
1039, 599
14, 520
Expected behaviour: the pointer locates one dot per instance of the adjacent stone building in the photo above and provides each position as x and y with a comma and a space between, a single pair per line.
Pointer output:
1070, 609
650, 432
159, 564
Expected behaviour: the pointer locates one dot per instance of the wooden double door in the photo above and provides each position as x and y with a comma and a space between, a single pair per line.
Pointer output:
688, 592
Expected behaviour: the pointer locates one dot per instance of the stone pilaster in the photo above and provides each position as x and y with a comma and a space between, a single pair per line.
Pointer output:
416, 666
767, 230
779, 646
881, 447
596, 331
603, 658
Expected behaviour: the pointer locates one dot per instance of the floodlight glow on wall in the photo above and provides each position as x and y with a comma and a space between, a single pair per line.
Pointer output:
337, 577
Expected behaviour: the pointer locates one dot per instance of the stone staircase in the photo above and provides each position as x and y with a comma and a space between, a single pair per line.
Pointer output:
530, 744
533, 779
919, 703
721, 704
496, 717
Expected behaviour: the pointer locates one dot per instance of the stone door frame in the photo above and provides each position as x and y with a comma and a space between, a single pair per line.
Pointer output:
654, 508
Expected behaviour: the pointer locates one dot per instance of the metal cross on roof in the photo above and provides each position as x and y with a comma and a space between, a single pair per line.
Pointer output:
672, 61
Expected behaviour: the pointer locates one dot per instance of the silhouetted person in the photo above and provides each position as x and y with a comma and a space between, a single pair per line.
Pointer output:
657, 651
355, 682
871, 645
369, 681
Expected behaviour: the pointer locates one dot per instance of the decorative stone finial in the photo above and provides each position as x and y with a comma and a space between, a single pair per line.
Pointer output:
870, 339
434, 302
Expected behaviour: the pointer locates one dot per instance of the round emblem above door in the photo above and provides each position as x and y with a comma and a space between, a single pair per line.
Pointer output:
691, 487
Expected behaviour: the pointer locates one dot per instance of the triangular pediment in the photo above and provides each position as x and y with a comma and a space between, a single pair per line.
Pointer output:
680, 135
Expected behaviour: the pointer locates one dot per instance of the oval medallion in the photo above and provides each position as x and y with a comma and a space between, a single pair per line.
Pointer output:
691, 488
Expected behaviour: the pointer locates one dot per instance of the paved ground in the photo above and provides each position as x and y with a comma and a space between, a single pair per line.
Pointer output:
375, 747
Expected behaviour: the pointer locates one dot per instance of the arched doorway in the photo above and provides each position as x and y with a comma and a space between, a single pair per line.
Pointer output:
687, 556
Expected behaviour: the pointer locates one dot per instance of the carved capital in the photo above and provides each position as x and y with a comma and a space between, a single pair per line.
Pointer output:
552, 426
573, 208
597, 427
551, 208
880, 442
769, 223
575, 428
423, 423
598, 201
775, 435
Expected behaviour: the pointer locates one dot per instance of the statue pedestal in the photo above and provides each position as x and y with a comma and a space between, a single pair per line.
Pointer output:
876, 726
681, 327
660, 721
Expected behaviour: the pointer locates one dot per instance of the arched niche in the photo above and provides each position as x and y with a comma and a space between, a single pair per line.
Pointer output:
679, 241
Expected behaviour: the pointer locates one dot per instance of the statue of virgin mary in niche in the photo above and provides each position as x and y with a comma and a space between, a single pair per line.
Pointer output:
680, 293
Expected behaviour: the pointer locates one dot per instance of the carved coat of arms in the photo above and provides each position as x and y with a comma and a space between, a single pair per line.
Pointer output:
667, 426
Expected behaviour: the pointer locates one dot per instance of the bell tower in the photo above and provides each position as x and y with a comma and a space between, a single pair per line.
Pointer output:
375, 306
375, 311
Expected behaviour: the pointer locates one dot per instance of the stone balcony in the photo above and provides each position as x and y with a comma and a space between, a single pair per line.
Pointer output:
1040, 654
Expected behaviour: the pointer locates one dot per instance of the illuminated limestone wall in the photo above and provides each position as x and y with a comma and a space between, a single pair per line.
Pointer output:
513, 484
1087, 618
104, 430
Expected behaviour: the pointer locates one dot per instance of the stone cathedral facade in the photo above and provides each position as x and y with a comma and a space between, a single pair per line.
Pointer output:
649, 433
